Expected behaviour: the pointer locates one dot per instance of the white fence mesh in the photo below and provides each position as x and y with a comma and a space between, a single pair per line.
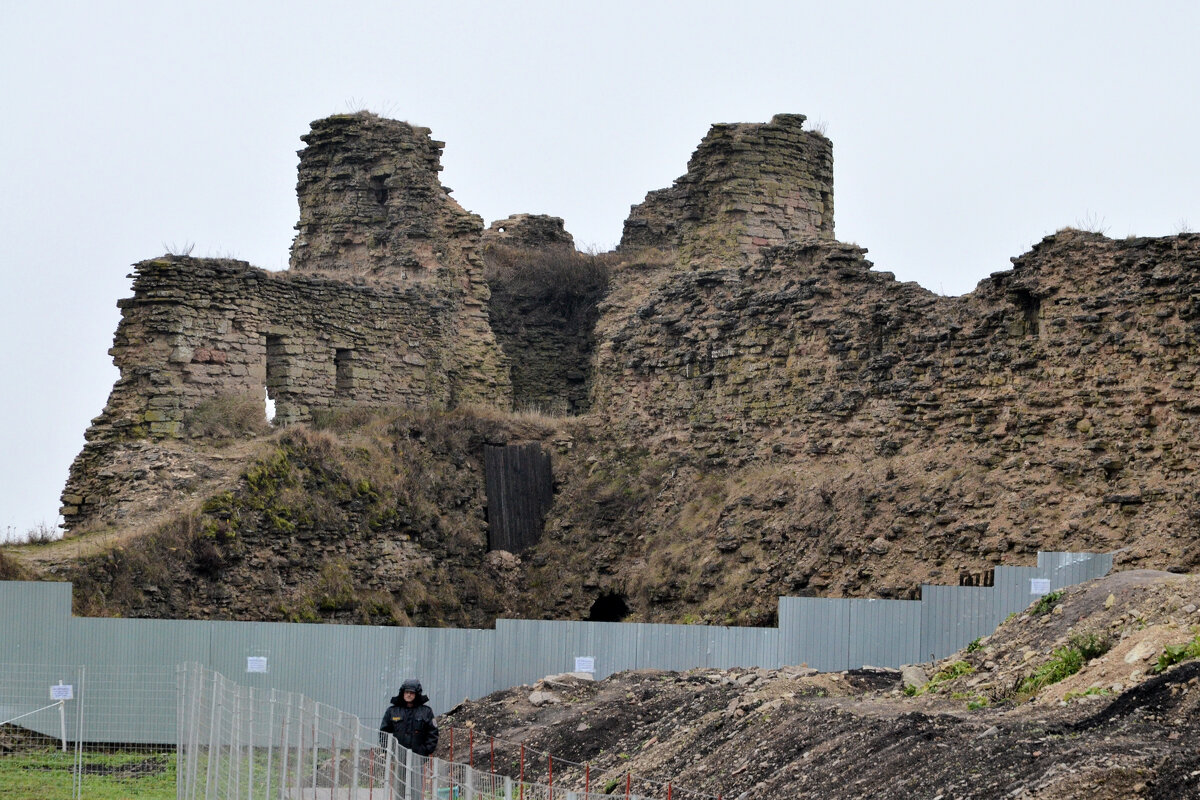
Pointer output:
68, 731
240, 743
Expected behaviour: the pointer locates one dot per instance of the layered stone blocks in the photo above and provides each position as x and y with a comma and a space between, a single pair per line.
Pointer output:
748, 186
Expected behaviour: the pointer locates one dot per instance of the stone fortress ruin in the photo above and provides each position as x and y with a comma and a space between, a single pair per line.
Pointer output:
895, 432
385, 301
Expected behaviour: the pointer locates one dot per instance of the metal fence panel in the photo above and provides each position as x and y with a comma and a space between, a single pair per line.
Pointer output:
814, 631
530, 649
886, 633
673, 647
743, 647
1012, 583
25, 698
356, 668
952, 616
34, 618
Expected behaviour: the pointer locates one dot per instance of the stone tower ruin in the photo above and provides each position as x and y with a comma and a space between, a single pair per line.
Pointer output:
386, 303
747, 186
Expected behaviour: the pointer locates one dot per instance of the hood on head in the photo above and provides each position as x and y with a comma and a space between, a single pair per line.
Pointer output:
414, 685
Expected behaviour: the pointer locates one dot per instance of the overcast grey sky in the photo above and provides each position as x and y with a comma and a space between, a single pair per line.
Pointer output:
962, 132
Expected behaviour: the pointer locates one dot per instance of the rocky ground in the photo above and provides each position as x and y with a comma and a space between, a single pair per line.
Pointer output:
982, 727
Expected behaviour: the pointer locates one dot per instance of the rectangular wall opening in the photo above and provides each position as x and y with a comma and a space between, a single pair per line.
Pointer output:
277, 371
343, 362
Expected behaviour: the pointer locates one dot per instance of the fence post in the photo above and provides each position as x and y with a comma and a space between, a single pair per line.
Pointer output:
80, 708
250, 744
300, 747
235, 743
357, 738
410, 768
212, 739
180, 769
508, 788
387, 766
337, 758
270, 739
315, 726
285, 748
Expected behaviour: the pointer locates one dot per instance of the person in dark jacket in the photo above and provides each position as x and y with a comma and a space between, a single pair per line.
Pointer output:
410, 720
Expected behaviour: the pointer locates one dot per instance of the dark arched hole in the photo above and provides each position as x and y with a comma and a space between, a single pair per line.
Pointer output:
609, 607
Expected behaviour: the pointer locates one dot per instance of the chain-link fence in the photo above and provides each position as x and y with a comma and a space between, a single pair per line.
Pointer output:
242, 743
69, 731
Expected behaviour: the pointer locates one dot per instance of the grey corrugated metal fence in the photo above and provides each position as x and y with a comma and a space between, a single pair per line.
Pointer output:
358, 668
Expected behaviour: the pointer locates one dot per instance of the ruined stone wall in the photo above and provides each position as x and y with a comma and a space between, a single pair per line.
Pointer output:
198, 329
747, 186
811, 336
385, 304
530, 232
543, 310
865, 430
371, 203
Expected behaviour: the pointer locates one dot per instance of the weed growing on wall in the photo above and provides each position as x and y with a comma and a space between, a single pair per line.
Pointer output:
226, 417
561, 280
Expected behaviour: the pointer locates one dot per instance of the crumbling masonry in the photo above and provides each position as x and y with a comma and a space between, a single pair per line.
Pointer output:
1052, 408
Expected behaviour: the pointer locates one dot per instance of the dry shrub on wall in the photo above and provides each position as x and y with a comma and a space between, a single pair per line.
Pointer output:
10, 570
228, 416
113, 582
561, 279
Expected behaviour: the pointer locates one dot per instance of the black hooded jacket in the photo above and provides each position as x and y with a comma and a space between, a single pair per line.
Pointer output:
413, 726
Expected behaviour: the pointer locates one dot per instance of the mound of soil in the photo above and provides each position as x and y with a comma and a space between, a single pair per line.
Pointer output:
795, 733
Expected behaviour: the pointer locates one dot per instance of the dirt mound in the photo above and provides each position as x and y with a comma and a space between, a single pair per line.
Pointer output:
795, 733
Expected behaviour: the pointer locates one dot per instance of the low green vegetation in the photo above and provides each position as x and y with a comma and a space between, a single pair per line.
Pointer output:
1066, 661
1172, 654
49, 775
1093, 691
1046, 603
1090, 644
951, 671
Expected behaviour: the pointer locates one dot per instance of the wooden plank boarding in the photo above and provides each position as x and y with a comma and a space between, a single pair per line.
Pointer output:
520, 488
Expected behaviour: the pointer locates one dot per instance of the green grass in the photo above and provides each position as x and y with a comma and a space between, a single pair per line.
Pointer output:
1094, 691
1046, 603
1172, 654
47, 775
946, 674
1064, 662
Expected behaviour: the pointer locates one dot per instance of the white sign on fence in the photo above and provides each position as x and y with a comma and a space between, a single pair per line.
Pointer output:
585, 663
256, 663
1039, 586
62, 692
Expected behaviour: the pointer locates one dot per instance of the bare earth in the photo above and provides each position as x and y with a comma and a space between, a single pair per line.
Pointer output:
792, 733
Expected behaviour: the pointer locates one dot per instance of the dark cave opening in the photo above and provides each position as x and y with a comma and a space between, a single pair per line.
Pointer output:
609, 607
